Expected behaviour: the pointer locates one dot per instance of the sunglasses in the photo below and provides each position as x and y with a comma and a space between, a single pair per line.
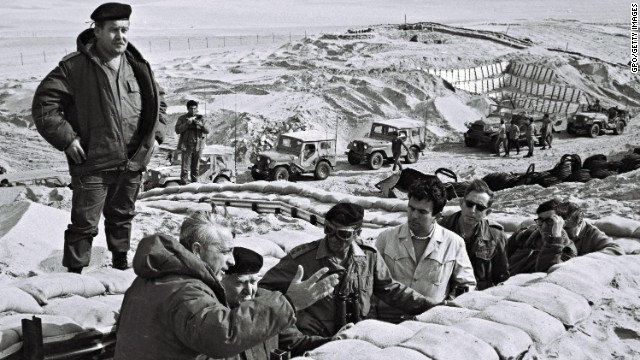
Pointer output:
471, 204
342, 233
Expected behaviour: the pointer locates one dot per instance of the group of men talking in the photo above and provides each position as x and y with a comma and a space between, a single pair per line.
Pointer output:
201, 297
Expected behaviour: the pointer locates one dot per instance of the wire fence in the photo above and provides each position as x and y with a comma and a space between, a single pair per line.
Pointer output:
60, 47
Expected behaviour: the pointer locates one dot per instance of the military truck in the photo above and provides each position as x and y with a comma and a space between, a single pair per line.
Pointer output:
297, 153
484, 132
595, 123
216, 165
375, 148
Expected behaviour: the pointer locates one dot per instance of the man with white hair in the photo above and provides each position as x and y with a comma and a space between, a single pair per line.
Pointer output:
177, 309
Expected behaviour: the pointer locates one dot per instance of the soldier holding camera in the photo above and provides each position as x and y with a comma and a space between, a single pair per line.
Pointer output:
193, 130
362, 274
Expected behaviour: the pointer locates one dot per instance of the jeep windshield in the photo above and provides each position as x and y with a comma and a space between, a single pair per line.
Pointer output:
289, 145
379, 131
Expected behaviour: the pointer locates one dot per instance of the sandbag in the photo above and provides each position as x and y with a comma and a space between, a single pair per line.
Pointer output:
540, 326
52, 325
15, 299
114, 280
554, 300
576, 283
475, 300
88, 313
629, 264
440, 342
596, 271
344, 350
445, 315
378, 333
396, 353
261, 246
502, 291
413, 325
508, 341
631, 246
523, 279
614, 225
8, 338
45, 287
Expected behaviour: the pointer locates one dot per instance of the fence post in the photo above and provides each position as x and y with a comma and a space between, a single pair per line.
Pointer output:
305, 34
169, 44
44, 55
257, 38
207, 42
273, 36
189, 43
149, 45
289, 37
224, 41
21, 60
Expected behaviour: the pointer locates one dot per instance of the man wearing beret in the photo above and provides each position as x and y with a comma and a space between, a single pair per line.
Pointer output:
362, 271
422, 254
240, 283
538, 247
103, 108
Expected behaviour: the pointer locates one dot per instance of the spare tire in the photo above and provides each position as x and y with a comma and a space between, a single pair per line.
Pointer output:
497, 181
597, 161
582, 175
601, 173
549, 180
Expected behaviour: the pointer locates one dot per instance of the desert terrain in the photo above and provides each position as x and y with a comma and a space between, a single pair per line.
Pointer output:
253, 88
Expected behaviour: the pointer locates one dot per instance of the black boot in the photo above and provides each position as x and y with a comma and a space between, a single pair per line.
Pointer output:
119, 260
77, 270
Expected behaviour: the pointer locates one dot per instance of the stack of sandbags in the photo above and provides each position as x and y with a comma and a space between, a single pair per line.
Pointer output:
45, 287
53, 328
508, 341
16, 300
445, 315
378, 333
115, 281
614, 225
344, 350
88, 313
440, 342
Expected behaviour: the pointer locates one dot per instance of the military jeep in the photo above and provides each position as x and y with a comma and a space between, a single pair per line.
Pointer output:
216, 165
595, 123
375, 148
297, 153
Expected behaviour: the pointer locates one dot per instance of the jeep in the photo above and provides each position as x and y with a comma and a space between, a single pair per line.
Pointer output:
485, 131
595, 123
297, 153
215, 166
375, 147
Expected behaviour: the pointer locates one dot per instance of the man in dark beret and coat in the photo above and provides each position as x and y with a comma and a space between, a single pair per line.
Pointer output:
362, 274
102, 106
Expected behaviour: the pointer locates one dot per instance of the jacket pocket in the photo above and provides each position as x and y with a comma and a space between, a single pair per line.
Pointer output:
134, 98
102, 145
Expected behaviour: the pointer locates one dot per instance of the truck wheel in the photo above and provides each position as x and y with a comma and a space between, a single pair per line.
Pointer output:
353, 160
570, 131
256, 175
221, 180
376, 160
619, 128
595, 130
412, 156
171, 184
323, 170
280, 173
470, 142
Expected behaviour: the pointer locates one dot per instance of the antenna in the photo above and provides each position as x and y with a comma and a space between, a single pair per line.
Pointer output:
204, 85
235, 133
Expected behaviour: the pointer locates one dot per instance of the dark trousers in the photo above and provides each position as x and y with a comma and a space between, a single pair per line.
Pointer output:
546, 139
190, 161
112, 193
530, 143
513, 143
396, 161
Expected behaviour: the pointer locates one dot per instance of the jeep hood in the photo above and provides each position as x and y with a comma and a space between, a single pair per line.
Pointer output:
373, 142
276, 156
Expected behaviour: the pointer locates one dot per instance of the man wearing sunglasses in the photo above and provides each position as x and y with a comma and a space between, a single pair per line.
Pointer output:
362, 273
586, 237
541, 245
422, 254
485, 240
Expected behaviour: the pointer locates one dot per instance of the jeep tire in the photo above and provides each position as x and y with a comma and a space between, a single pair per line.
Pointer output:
594, 131
470, 142
323, 170
353, 159
619, 129
375, 161
570, 130
280, 173
412, 156
256, 175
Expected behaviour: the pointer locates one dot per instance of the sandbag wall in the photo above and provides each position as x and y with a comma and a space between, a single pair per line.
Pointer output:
521, 318
476, 80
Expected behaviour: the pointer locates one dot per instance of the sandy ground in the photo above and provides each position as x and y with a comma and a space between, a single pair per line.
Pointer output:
310, 83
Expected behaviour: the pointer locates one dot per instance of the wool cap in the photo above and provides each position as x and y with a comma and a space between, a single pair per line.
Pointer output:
111, 11
346, 214
247, 262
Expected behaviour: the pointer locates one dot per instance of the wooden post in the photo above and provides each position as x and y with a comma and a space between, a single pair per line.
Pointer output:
257, 39
44, 54
32, 343
149, 45
207, 39
169, 44
273, 37
21, 59
189, 43
224, 41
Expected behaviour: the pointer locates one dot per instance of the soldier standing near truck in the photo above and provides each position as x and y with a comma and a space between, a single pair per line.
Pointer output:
193, 130
502, 139
514, 138
396, 149
547, 130
531, 137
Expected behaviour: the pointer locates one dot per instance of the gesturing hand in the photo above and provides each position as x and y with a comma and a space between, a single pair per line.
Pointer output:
75, 152
305, 293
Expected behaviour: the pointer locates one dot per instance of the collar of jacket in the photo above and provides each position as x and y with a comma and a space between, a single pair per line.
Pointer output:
405, 232
323, 249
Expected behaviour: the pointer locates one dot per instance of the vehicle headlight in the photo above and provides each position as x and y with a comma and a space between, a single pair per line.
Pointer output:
589, 121
366, 146
268, 161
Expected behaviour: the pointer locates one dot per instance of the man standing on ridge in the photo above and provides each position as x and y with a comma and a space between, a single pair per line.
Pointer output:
103, 108
193, 130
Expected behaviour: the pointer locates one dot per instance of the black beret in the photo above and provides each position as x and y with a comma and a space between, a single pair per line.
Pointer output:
346, 214
247, 262
548, 205
111, 11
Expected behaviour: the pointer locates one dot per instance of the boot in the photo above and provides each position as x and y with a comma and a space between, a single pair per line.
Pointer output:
76, 270
119, 260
